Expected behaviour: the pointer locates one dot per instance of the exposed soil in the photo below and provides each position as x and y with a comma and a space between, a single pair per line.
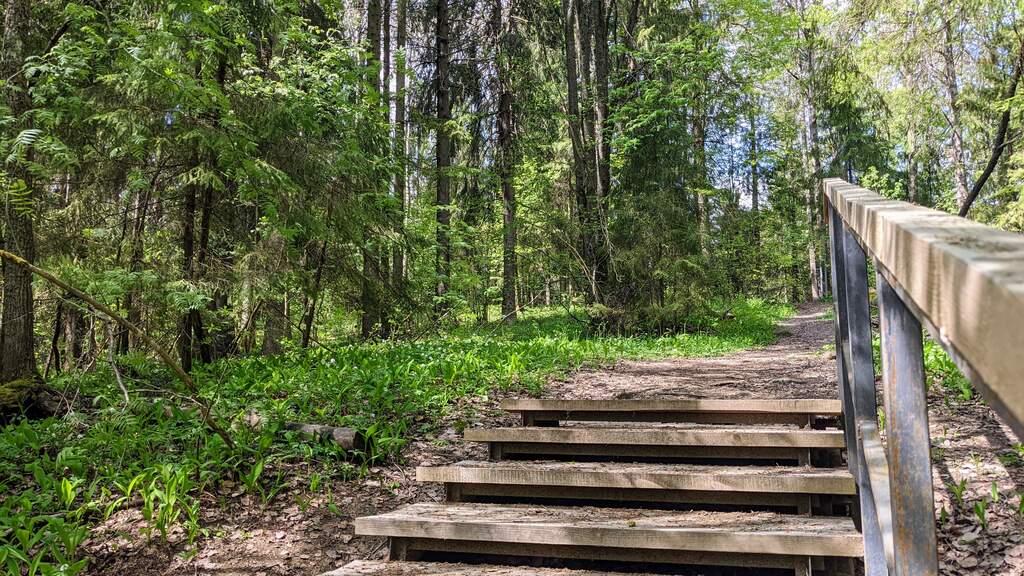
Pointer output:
304, 532
795, 366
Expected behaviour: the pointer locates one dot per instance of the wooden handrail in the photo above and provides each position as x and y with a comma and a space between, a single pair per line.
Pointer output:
963, 280
965, 283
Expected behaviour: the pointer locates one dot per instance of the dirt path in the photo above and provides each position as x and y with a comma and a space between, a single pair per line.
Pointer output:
795, 366
306, 532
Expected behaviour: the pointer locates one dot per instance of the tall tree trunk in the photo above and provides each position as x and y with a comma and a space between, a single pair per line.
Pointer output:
275, 307
75, 330
953, 100
809, 153
132, 304
310, 301
585, 50
53, 357
401, 140
17, 331
505, 146
700, 165
370, 296
581, 140
274, 328
203, 262
812, 245
602, 138
188, 242
312, 296
755, 176
443, 258
912, 162
383, 258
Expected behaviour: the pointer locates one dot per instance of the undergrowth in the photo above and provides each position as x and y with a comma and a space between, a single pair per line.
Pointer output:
60, 476
941, 373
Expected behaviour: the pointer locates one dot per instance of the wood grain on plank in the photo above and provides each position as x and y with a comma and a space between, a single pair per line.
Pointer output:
747, 532
799, 406
691, 436
379, 568
967, 279
775, 479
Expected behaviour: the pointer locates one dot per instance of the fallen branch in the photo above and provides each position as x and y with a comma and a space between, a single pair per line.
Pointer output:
165, 358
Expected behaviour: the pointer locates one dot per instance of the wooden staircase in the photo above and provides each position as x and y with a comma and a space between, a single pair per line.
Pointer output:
635, 485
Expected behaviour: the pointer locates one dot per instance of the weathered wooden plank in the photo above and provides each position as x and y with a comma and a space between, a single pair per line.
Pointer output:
907, 436
768, 479
379, 568
965, 279
746, 532
415, 548
552, 418
878, 476
823, 407
691, 436
628, 452
641, 497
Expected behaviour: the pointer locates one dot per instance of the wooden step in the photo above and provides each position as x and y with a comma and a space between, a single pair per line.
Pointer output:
542, 412
763, 539
801, 489
379, 568
687, 442
650, 483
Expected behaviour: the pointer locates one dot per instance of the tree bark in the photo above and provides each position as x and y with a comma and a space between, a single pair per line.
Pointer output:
401, 140
810, 156
203, 261
956, 129
132, 304
311, 298
602, 139
17, 331
370, 295
574, 35
505, 145
188, 232
53, 357
443, 258
274, 327
700, 165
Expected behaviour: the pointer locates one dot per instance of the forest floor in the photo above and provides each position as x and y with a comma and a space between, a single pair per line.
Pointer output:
978, 470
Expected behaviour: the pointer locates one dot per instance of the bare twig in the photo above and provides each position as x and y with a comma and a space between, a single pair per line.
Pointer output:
113, 365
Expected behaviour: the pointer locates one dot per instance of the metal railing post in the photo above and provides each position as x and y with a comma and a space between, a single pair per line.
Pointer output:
909, 445
860, 372
837, 256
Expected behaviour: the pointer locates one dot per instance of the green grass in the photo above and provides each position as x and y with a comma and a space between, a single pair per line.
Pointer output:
941, 373
59, 476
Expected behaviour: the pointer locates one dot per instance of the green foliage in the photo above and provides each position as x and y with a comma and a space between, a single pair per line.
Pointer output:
942, 372
958, 489
60, 475
980, 510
